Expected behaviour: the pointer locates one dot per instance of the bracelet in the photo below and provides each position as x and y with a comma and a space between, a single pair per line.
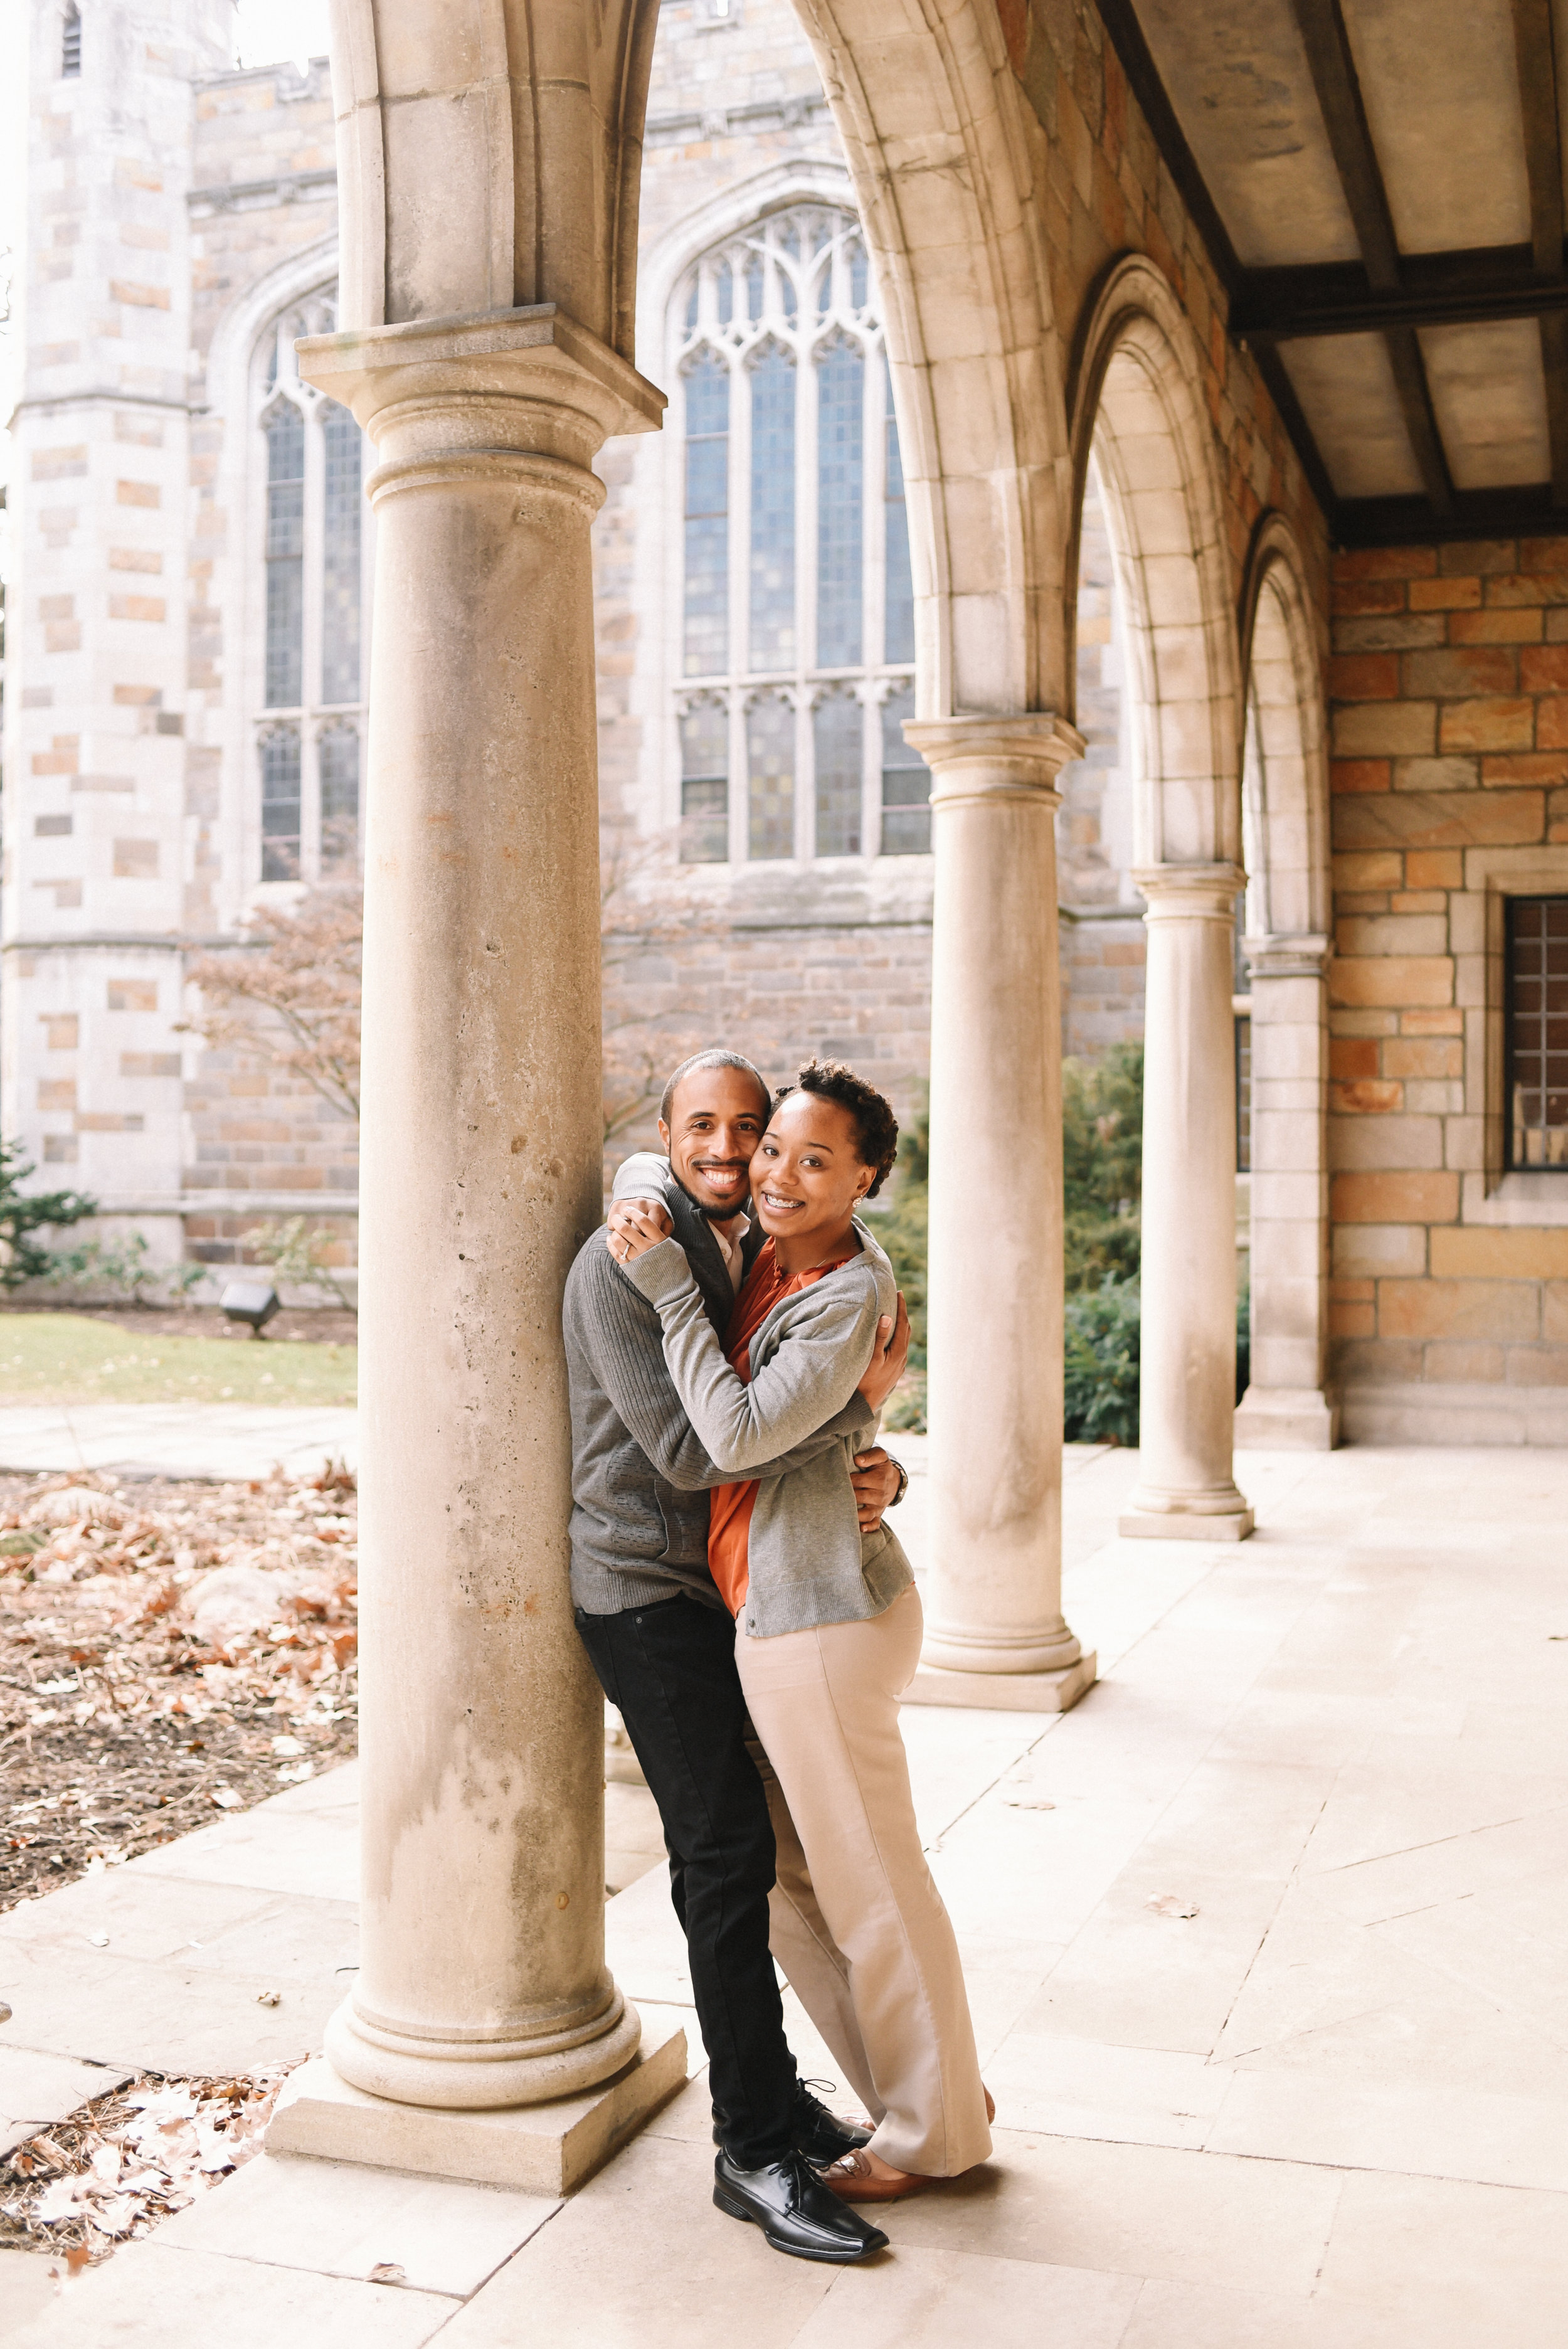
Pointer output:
902, 1482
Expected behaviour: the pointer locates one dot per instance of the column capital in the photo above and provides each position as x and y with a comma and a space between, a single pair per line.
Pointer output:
527, 381
1287, 954
1189, 892
982, 758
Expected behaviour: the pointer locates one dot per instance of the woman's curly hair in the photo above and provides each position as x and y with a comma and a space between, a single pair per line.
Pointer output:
876, 1128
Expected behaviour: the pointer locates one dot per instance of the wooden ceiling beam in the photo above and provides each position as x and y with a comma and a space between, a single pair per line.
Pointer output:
1474, 286
1536, 55
1516, 512
1333, 67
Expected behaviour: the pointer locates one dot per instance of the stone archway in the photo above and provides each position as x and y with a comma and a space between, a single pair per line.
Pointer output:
1138, 407
1284, 785
489, 154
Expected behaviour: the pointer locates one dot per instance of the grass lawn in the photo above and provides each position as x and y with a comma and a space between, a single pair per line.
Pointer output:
71, 1358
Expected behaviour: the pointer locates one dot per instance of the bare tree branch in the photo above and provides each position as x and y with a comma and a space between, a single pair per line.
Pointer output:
299, 969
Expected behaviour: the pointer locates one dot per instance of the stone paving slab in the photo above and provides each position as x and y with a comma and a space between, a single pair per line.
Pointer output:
218, 1441
1325, 2111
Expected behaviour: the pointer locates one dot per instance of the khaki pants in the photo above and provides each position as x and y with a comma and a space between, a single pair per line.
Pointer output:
858, 1924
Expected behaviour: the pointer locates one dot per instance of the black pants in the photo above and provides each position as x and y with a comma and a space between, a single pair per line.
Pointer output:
670, 1669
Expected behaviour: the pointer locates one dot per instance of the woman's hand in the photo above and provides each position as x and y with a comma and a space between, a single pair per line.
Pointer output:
634, 1226
890, 1356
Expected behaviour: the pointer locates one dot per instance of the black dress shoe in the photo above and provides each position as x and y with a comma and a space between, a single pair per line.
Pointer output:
797, 2213
817, 2132
820, 2134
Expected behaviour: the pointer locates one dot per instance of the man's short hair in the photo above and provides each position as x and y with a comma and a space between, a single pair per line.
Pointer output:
715, 1058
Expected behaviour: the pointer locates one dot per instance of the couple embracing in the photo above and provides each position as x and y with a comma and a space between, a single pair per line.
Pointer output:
731, 1338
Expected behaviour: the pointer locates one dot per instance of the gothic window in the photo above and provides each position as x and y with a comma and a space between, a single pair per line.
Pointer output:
71, 44
797, 628
309, 726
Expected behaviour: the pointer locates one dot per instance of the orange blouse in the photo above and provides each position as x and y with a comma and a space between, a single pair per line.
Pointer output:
730, 1524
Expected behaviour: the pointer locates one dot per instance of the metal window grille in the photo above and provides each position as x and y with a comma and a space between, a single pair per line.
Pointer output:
71, 45
1535, 1015
1243, 1093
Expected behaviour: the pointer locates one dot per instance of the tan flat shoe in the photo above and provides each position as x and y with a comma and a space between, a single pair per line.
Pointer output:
853, 2179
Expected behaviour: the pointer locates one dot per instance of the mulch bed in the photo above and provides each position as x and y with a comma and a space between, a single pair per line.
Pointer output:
139, 1698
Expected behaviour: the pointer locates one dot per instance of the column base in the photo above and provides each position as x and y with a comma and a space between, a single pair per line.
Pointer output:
1003, 1692
1286, 1419
1184, 1524
549, 2149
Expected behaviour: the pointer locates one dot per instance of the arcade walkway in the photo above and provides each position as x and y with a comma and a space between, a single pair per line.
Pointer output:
1316, 2098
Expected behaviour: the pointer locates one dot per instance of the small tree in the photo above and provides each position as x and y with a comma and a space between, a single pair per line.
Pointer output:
23, 1213
299, 969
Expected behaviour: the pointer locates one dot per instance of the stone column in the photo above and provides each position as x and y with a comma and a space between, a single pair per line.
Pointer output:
1187, 1387
995, 1634
1287, 1406
482, 1981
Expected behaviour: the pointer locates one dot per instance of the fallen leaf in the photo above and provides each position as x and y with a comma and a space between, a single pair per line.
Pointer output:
269, 1998
226, 1798
1171, 1904
388, 2272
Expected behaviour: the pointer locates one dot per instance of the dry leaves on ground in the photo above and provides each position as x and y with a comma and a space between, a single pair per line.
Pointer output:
168, 1650
112, 2170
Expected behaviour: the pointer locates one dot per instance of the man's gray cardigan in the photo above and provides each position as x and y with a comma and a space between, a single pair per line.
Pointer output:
810, 1563
640, 1477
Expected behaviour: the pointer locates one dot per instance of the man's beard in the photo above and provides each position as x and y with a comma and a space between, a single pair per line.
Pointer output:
718, 1214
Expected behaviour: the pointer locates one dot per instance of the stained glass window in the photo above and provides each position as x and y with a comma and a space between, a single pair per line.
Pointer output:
337, 758
705, 784
309, 772
771, 762
794, 526
773, 509
280, 804
900, 604
905, 783
706, 515
838, 732
285, 556
341, 596
840, 409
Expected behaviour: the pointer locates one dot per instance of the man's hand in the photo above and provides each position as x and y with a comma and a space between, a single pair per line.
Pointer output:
634, 1226
877, 1483
889, 1356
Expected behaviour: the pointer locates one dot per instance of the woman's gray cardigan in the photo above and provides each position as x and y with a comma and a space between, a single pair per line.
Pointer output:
810, 1562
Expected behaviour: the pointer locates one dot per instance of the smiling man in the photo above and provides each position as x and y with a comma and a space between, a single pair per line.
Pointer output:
663, 1643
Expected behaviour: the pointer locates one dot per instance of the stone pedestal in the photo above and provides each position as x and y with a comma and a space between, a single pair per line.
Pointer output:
483, 1983
1187, 1389
1287, 1406
993, 1607
534, 2149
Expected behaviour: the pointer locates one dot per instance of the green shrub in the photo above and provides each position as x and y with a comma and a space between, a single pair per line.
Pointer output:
23, 1213
1099, 1364
902, 1232
1102, 1168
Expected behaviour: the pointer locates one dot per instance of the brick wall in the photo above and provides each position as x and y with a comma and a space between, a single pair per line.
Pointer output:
1449, 701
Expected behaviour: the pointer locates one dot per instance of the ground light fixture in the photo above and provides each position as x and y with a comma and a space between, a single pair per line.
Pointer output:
252, 1301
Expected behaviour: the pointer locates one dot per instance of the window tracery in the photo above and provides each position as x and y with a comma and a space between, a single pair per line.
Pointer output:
309, 728
796, 637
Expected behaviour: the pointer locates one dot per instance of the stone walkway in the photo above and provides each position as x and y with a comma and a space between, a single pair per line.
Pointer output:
1265, 1941
194, 1439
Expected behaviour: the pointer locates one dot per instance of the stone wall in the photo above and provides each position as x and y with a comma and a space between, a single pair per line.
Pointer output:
1450, 685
